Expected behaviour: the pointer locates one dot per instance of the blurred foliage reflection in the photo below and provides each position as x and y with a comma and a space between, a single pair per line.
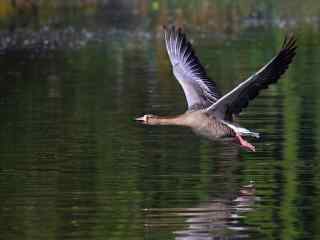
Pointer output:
74, 164
213, 15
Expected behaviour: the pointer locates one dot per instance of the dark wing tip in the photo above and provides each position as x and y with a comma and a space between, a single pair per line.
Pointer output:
172, 29
270, 74
286, 54
289, 43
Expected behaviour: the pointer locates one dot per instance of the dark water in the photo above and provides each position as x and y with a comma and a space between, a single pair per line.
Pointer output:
74, 164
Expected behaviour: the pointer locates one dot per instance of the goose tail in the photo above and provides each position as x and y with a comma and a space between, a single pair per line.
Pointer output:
242, 131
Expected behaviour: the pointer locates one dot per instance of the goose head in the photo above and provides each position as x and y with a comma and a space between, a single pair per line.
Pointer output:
149, 119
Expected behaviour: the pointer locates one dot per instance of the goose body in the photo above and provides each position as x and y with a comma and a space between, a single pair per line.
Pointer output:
209, 112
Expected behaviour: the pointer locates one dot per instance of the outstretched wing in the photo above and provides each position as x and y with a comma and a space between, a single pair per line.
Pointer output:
199, 90
237, 99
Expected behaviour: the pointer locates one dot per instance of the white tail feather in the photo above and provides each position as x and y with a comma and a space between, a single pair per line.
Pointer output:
242, 131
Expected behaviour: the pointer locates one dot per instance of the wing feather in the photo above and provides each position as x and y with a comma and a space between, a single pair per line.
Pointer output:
199, 90
238, 99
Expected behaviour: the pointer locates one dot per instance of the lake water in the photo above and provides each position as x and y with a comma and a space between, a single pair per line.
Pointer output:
75, 165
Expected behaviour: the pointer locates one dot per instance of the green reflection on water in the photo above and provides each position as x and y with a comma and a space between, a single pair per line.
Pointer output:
74, 164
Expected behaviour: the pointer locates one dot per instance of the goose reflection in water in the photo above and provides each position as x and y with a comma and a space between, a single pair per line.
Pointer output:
216, 219
209, 112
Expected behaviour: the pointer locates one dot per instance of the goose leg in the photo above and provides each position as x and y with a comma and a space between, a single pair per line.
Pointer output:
243, 143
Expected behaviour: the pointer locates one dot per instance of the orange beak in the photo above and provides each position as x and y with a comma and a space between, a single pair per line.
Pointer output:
141, 119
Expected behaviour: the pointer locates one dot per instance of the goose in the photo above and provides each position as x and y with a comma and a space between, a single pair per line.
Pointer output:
209, 112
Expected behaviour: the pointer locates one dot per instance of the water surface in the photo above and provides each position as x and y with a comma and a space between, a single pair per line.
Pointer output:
75, 165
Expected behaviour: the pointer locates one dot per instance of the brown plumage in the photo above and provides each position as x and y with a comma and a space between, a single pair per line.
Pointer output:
209, 112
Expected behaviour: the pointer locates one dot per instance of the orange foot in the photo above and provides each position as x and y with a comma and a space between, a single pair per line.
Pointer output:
243, 143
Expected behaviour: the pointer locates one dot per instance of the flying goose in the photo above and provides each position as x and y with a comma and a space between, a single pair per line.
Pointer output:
209, 112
